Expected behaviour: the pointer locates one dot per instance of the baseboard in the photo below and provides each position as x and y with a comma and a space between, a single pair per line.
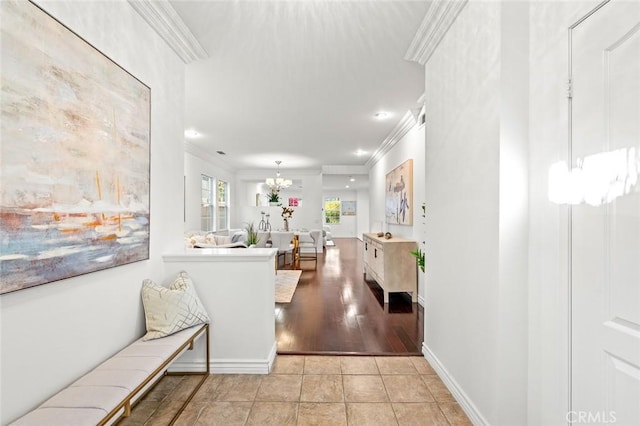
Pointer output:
463, 400
421, 301
272, 356
229, 366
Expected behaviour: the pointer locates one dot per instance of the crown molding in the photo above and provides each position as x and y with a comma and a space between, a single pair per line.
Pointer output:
437, 21
165, 21
405, 124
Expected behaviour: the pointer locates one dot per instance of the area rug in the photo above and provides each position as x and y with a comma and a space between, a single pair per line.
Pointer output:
286, 283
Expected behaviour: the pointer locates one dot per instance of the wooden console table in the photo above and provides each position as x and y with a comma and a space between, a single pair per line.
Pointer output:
391, 265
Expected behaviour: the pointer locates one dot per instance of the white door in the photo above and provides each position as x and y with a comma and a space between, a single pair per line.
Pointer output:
605, 242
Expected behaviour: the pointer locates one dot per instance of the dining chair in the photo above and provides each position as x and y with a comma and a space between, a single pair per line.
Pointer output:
309, 249
282, 242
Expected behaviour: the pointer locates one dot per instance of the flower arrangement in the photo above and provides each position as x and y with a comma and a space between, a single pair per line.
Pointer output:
287, 213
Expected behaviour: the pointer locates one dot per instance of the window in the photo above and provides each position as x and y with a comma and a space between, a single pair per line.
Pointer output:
331, 210
223, 205
206, 207
214, 212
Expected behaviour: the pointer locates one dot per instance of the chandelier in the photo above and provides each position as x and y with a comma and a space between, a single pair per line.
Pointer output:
278, 183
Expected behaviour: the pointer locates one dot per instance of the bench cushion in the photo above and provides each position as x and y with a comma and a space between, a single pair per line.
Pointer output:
100, 397
62, 417
127, 379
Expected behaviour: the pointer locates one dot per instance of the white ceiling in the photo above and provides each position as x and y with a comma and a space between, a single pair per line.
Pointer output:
339, 182
299, 81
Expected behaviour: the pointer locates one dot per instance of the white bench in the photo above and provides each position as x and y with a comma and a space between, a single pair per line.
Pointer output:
104, 395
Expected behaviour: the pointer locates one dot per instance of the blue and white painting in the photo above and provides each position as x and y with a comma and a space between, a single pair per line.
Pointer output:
399, 194
74, 176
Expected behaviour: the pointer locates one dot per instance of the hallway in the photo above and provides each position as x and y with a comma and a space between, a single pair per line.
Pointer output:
335, 311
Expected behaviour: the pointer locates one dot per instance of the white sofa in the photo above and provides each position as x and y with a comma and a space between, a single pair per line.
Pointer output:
203, 239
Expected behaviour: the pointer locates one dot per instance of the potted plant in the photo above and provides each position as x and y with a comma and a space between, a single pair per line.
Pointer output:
273, 197
419, 255
252, 234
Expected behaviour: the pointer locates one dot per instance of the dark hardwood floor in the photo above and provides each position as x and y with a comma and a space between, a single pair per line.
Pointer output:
334, 310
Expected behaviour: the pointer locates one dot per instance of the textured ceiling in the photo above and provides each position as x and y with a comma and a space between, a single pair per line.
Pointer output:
299, 81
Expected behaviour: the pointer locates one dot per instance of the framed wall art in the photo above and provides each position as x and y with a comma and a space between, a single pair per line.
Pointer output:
74, 194
348, 208
399, 194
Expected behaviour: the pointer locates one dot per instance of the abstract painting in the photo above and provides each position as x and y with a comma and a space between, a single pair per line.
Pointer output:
399, 194
348, 208
74, 188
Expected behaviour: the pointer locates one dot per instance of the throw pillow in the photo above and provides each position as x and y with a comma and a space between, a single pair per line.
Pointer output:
239, 236
222, 239
169, 310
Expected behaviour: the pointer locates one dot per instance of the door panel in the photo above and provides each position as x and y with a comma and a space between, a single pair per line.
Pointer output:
605, 244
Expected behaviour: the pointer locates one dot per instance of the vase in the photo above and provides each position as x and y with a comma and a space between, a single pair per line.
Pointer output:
286, 224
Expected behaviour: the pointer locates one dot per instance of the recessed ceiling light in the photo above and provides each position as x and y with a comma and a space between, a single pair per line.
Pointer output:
381, 115
190, 133
352, 179
346, 186
360, 152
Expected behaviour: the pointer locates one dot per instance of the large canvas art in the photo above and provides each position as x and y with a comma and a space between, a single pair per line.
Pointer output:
399, 194
74, 176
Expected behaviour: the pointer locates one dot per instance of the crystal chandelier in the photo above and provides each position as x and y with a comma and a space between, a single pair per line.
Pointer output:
278, 183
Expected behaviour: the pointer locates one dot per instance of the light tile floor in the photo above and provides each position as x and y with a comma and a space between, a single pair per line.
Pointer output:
309, 390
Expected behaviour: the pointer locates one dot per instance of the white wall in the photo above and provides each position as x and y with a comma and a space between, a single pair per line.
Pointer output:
308, 215
510, 384
54, 333
348, 226
548, 244
411, 146
497, 290
362, 214
230, 283
462, 194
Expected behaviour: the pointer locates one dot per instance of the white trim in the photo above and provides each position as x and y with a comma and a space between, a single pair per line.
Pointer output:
458, 393
272, 355
407, 122
230, 366
225, 366
166, 22
421, 301
437, 21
